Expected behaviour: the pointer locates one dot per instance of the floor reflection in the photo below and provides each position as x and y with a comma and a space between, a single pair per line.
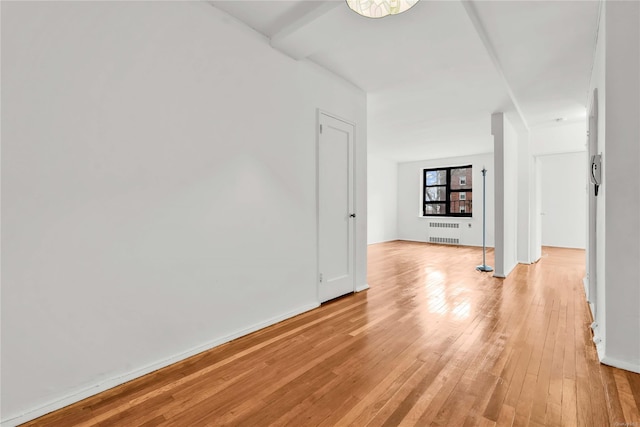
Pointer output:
446, 298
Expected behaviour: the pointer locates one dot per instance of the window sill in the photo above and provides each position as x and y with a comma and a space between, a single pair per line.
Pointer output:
446, 217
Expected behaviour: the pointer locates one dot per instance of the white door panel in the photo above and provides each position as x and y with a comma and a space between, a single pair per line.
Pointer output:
335, 199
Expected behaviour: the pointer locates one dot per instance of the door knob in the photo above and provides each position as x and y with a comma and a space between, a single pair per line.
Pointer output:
352, 215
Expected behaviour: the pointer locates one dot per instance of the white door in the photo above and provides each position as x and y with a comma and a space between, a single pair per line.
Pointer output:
336, 215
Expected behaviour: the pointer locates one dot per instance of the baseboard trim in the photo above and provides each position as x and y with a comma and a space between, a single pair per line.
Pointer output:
444, 244
15, 420
592, 308
362, 287
610, 361
506, 273
382, 241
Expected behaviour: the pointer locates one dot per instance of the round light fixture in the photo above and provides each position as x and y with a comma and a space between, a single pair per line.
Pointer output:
380, 8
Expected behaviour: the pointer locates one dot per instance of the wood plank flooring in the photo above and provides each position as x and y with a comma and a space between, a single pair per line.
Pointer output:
432, 343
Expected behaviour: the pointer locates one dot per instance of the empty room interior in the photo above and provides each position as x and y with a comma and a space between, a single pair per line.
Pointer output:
320, 213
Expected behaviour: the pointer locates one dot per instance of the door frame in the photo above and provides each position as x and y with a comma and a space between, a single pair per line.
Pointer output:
320, 112
536, 207
591, 290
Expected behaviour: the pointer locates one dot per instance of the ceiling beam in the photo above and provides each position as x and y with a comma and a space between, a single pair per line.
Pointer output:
300, 38
482, 34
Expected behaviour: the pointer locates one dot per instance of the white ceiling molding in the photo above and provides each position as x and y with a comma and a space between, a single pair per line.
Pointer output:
482, 34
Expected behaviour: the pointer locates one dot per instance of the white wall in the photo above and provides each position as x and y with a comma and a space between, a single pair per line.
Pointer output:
563, 180
526, 200
413, 226
382, 199
562, 138
622, 222
615, 76
158, 184
506, 194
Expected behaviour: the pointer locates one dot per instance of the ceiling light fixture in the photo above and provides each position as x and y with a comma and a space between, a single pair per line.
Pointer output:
380, 8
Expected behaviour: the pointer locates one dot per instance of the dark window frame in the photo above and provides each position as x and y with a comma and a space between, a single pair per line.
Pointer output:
448, 191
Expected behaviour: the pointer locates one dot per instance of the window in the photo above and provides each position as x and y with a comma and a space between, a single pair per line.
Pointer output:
448, 191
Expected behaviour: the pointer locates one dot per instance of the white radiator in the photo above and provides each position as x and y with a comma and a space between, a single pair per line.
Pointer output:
444, 232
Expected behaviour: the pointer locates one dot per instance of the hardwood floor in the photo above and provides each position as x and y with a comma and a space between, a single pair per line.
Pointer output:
432, 343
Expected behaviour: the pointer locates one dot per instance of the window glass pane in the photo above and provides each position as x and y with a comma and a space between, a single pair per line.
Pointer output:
461, 178
435, 194
436, 177
461, 195
460, 206
435, 209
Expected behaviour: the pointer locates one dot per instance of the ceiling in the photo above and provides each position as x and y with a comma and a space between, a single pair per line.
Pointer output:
435, 74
